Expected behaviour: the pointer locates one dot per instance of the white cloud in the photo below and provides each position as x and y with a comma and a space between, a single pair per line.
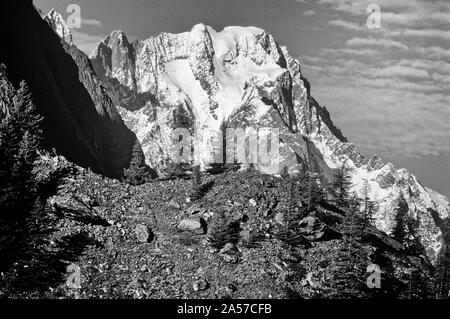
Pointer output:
443, 78
429, 65
376, 42
434, 52
346, 25
387, 121
387, 88
91, 22
359, 7
308, 13
357, 52
385, 107
428, 33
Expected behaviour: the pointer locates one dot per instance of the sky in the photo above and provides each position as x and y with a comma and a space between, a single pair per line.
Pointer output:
386, 84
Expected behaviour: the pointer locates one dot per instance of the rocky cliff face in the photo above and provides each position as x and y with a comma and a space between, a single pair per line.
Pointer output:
80, 121
243, 78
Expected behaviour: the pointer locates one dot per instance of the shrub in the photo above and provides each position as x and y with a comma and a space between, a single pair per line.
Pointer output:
138, 172
222, 231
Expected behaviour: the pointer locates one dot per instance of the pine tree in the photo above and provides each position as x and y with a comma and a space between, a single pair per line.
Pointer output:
354, 202
417, 285
368, 205
196, 183
347, 273
29, 119
314, 191
20, 137
401, 214
293, 211
285, 173
442, 274
251, 168
222, 231
354, 223
340, 188
138, 172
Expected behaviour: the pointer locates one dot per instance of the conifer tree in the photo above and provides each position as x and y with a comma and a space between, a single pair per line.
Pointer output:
401, 211
417, 285
340, 188
285, 173
367, 204
354, 223
347, 278
314, 190
222, 231
442, 274
251, 168
196, 183
138, 172
293, 211
20, 137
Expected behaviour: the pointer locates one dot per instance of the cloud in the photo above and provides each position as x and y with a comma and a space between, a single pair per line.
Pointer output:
359, 7
397, 107
410, 13
428, 33
376, 42
308, 13
346, 25
434, 52
387, 88
436, 66
345, 51
443, 78
85, 42
385, 121
419, 18
91, 22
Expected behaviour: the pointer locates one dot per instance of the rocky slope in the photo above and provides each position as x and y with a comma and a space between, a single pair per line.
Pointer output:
151, 242
242, 77
80, 121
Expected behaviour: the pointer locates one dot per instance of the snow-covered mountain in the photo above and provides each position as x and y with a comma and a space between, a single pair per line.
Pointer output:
243, 78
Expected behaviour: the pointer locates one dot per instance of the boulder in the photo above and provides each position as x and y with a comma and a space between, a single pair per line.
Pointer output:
194, 225
89, 201
200, 285
196, 210
230, 253
231, 288
314, 229
143, 234
279, 218
68, 203
174, 204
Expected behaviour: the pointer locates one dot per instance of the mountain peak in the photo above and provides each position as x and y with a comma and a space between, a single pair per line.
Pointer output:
242, 77
200, 26
58, 24
118, 34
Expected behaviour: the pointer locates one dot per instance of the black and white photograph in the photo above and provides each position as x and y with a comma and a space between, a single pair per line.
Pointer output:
237, 151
